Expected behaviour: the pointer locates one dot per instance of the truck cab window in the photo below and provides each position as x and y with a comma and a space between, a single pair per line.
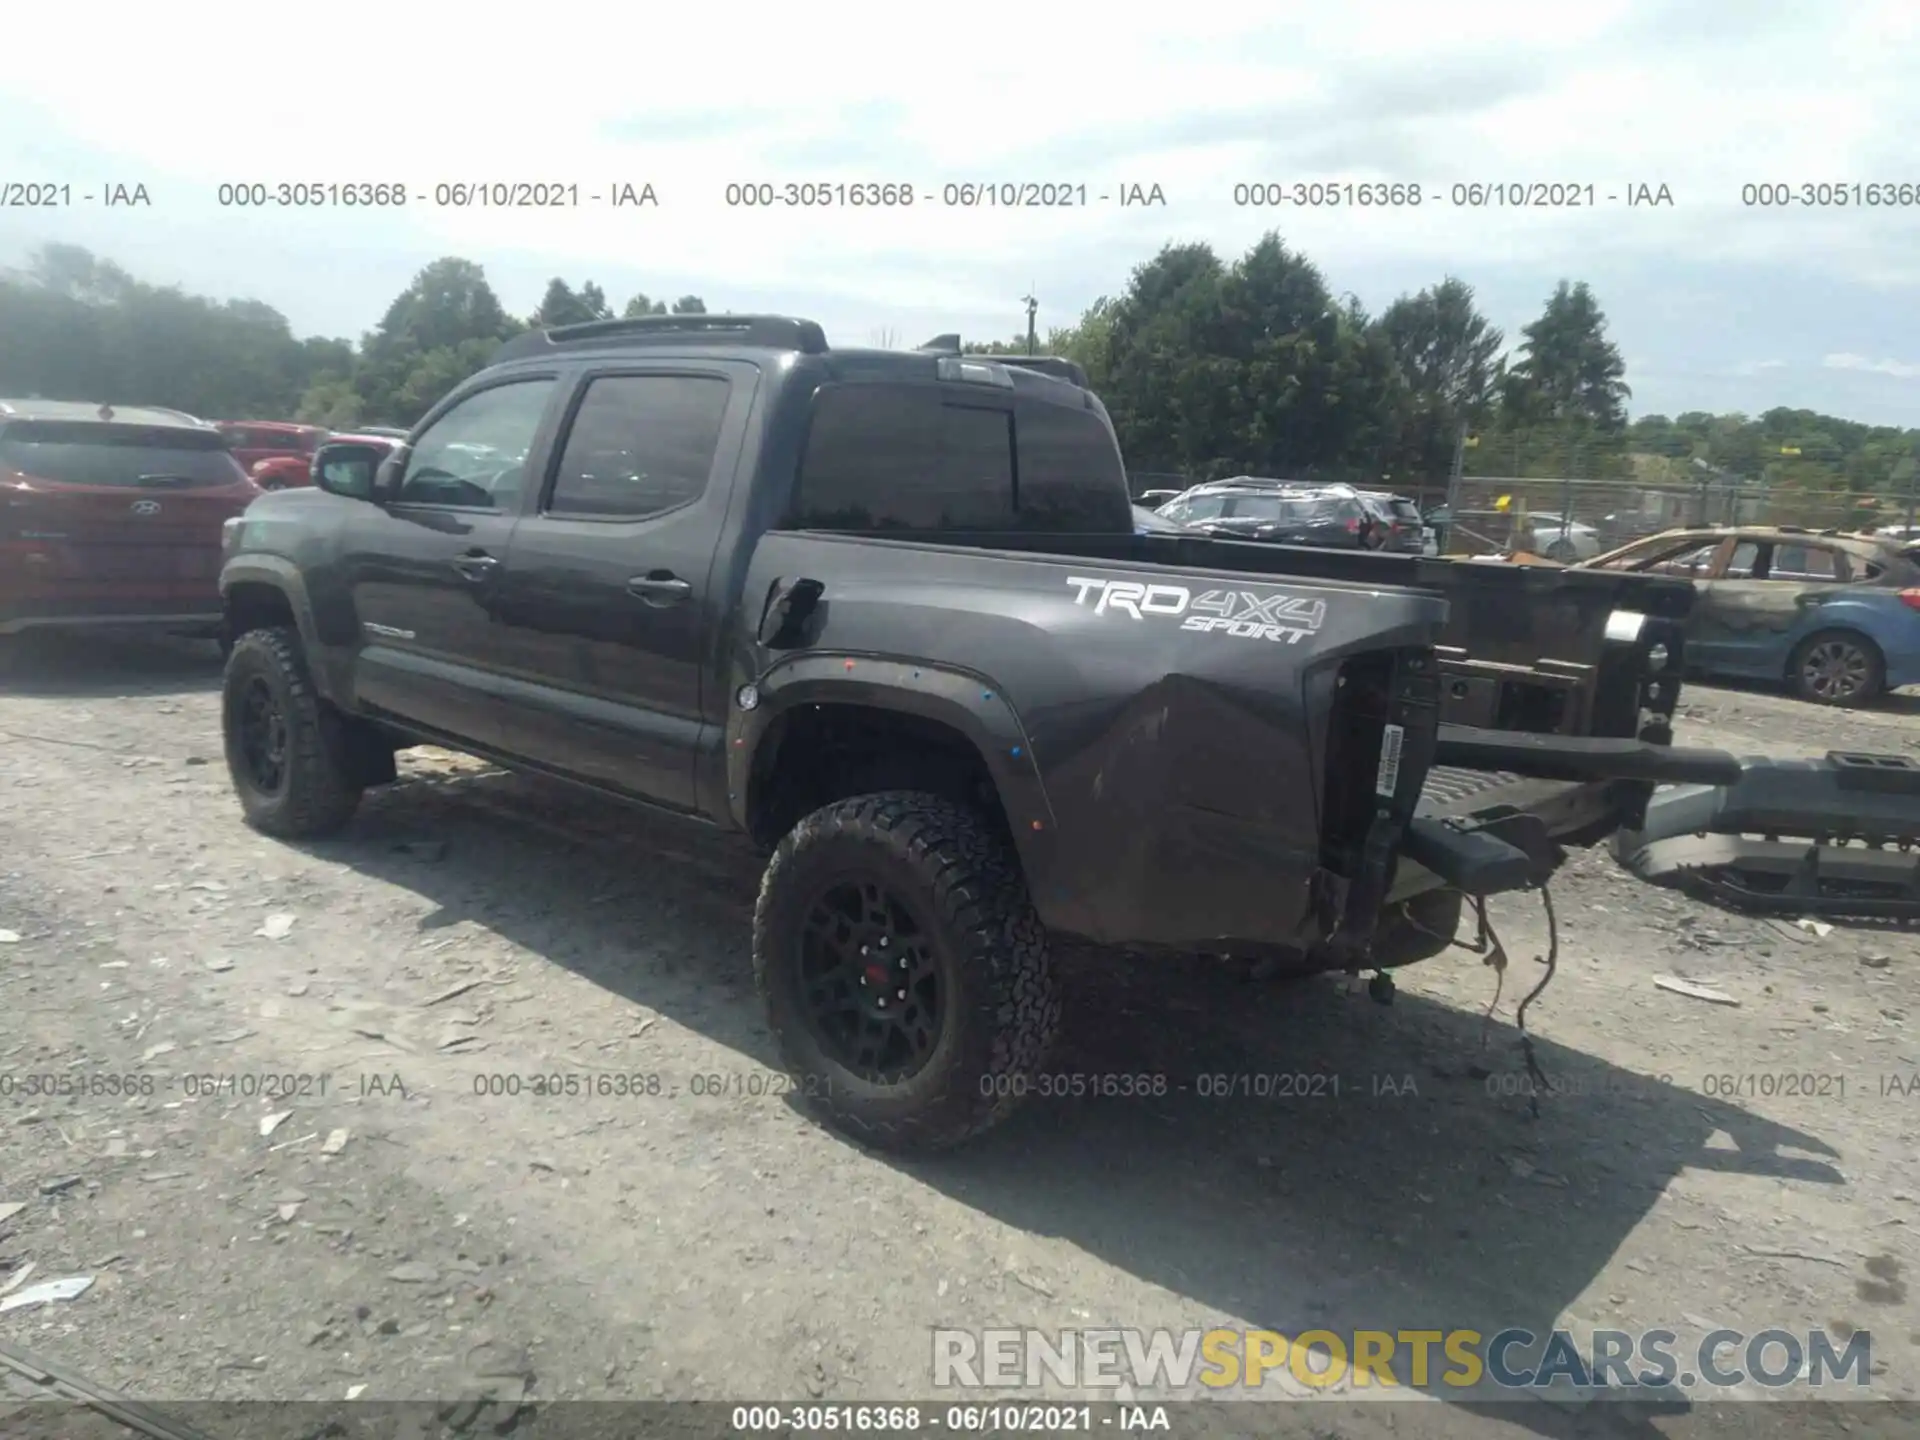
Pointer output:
475, 454
640, 445
1071, 475
898, 457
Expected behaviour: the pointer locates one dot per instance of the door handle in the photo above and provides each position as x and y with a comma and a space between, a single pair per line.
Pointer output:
659, 588
475, 567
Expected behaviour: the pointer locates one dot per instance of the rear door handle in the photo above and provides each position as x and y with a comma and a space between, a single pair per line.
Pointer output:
659, 588
475, 567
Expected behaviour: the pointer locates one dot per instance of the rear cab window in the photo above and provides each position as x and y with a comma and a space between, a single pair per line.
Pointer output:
69, 452
895, 456
899, 457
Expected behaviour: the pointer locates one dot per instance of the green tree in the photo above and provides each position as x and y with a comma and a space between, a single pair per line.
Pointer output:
1567, 369
330, 401
640, 306
560, 306
75, 326
1448, 355
444, 326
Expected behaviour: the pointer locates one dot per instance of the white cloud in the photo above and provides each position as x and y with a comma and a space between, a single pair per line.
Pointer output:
1502, 92
1899, 369
1757, 367
1704, 97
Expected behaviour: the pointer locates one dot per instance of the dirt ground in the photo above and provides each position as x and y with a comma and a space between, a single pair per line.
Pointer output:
284, 1142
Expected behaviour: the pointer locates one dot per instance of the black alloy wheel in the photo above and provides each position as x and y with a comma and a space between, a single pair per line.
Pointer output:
870, 984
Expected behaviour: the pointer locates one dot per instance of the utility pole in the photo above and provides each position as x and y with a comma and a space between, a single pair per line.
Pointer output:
1033, 308
1454, 477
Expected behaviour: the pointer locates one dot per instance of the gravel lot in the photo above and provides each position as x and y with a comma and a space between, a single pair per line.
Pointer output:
387, 1219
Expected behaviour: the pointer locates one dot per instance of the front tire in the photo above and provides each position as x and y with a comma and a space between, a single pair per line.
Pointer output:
1837, 667
286, 749
905, 974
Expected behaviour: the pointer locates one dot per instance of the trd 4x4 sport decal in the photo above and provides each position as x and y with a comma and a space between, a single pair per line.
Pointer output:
1287, 619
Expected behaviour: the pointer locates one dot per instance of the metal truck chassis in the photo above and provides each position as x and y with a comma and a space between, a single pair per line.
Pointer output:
1838, 837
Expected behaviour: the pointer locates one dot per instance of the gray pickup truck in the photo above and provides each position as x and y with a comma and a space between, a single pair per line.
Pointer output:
888, 614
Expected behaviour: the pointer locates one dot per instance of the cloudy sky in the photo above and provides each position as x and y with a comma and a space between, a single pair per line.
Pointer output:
1715, 303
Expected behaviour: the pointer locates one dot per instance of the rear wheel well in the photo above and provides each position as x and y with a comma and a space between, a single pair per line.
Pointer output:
253, 605
817, 754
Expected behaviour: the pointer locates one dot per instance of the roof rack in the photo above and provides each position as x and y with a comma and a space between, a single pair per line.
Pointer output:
1054, 365
774, 332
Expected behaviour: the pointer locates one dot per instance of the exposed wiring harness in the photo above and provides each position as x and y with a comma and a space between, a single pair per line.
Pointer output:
1487, 942
1552, 961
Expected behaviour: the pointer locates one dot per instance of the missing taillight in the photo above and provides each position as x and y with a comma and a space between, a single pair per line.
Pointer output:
1381, 735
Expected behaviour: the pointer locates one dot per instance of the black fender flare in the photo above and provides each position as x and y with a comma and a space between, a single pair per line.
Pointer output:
968, 703
284, 576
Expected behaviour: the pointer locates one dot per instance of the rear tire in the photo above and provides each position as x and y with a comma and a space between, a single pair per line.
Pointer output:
286, 747
1837, 667
918, 892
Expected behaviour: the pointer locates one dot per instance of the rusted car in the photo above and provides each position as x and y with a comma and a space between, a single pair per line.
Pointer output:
1834, 616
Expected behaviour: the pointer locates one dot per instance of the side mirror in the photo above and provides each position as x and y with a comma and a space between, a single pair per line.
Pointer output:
346, 469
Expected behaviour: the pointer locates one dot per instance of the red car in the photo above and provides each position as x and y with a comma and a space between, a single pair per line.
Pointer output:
111, 516
276, 454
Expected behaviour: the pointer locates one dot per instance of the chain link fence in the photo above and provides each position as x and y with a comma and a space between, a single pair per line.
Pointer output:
1572, 501
1576, 519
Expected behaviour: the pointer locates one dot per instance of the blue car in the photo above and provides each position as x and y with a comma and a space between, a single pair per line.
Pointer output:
1835, 617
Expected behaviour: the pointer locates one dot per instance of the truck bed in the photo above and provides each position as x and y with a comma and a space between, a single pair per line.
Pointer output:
1524, 647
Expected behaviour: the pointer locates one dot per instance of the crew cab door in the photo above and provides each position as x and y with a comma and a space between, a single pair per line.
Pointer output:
609, 604
423, 565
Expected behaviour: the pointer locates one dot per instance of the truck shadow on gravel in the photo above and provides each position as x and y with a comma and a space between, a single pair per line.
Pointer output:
1315, 1159
103, 665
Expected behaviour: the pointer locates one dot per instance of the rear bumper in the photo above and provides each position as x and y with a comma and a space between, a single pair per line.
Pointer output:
1835, 836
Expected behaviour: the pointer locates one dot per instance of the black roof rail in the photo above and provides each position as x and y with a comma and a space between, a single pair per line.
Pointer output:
773, 332
1054, 365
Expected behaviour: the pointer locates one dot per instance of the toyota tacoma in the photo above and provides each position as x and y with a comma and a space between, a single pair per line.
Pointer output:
889, 615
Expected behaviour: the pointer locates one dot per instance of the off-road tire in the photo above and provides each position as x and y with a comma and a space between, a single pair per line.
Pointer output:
1001, 1006
1876, 669
317, 794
